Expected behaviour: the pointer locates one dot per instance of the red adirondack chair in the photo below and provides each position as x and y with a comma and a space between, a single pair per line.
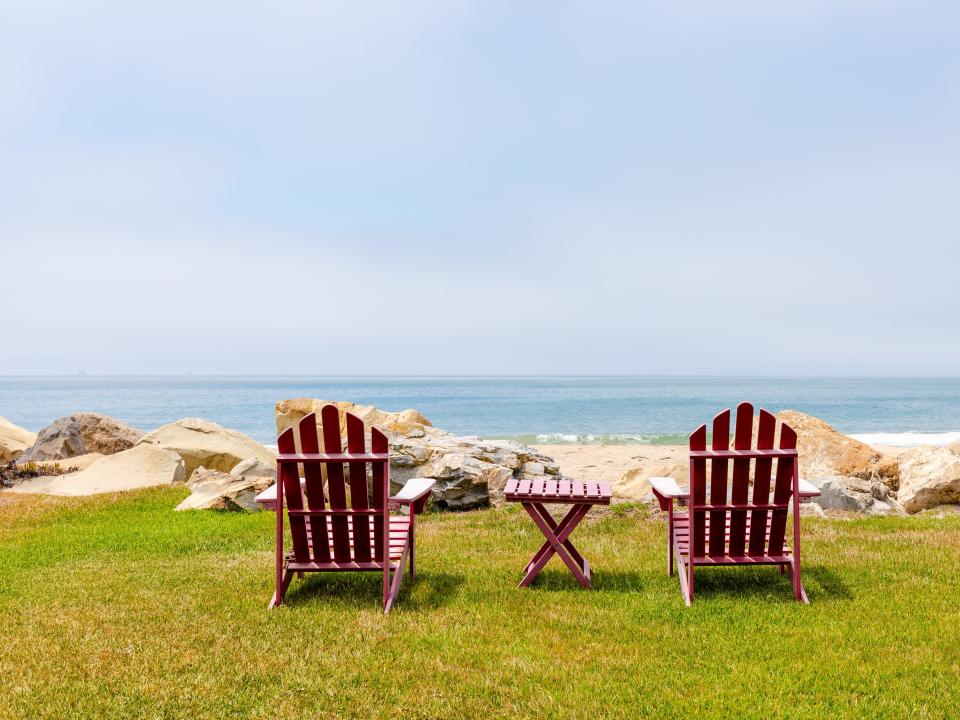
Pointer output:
731, 527
332, 533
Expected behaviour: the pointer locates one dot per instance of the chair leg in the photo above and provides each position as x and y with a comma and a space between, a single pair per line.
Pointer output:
281, 590
685, 573
394, 590
798, 590
413, 546
386, 583
670, 561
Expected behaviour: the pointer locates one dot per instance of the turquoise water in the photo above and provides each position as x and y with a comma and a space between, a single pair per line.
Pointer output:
544, 409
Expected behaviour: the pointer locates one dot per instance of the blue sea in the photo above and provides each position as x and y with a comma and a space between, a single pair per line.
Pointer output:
532, 409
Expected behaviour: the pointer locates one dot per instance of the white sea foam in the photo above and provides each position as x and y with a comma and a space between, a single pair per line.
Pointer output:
557, 439
907, 439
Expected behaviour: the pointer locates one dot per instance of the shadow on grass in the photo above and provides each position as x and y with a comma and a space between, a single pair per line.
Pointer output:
428, 590
560, 579
826, 584
821, 584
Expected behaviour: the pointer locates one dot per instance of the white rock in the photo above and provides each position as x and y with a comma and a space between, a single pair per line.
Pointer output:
256, 469
809, 509
14, 440
201, 442
533, 468
929, 476
856, 495
634, 484
215, 490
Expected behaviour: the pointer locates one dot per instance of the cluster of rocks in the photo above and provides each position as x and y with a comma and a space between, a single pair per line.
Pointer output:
225, 469
851, 475
469, 472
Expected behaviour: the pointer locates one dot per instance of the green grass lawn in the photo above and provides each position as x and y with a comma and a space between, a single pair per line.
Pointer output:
118, 607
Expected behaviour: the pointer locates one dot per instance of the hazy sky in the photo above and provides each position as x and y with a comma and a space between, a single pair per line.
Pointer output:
480, 187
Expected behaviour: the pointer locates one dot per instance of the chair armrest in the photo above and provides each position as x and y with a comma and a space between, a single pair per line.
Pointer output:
666, 490
268, 498
808, 490
415, 493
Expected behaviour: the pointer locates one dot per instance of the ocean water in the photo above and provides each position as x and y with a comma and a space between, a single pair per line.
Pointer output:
533, 409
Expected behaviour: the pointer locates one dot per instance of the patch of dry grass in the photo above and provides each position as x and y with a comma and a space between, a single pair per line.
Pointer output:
16, 472
115, 606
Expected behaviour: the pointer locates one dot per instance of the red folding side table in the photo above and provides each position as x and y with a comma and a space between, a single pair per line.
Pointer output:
534, 495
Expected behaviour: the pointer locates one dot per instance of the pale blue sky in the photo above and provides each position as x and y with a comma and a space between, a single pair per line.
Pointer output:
685, 187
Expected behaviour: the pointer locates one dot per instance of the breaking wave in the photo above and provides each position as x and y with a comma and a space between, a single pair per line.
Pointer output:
907, 439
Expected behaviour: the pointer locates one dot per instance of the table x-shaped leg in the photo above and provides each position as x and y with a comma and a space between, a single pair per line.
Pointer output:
557, 535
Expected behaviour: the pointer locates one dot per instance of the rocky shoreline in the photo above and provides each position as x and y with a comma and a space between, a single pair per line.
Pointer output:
225, 469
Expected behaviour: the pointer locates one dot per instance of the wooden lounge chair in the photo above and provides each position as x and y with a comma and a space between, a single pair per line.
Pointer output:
731, 526
334, 533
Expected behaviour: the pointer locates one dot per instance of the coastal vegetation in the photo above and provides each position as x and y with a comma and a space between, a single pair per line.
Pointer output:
115, 606
14, 472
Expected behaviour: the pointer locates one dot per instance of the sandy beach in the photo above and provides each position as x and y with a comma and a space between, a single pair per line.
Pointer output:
609, 462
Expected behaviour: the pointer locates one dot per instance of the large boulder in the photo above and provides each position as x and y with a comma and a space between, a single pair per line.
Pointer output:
139, 467
201, 442
80, 434
857, 495
470, 472
634, 484
215, 490
292, 411
255, 469
14, 440
929, 476
464, 481
825, 451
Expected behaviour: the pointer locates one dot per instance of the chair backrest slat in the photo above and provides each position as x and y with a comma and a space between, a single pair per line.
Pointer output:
718, 485
336, 491
358, 490
313, 480
740, 493
782, 490
761, 483
381, 490
698, 489
293, 498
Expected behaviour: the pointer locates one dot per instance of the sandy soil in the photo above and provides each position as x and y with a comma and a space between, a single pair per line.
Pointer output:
608, 462
890, 450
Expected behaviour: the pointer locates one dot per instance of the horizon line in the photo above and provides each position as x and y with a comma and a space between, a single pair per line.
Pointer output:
798, 376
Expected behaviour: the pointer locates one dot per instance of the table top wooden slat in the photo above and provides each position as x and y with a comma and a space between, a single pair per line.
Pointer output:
558, 491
